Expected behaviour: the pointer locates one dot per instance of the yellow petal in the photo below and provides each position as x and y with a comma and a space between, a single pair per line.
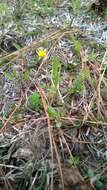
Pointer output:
41, 53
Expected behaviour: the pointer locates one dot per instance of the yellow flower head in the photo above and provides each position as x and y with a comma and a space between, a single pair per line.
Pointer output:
41, 53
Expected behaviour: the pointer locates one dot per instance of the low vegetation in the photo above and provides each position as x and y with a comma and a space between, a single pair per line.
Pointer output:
53, 96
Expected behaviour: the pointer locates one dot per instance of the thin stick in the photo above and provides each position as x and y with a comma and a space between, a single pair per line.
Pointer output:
59, 164
45, 105
7, 121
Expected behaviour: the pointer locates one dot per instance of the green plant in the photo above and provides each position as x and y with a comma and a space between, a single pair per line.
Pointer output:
33, 62
17, 46
85, 73
77, 87
18, 114
35, 101
4, 9
1, 125
52, 90
56, 70
77, 45
77, 125
25, 76
10, 75
92, 56
79, 82
76, 5
74, 160
95, 178
3, 61
53, 112
45, 8
5, 15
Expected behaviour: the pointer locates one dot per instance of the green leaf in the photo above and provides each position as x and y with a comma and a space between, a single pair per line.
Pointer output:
35, 101
76, 5
78, 86
79, 82
17, 46
74, 160
26, 75
52, 90
1, 125
33, 62
10, 76
84, 75
56, 69
53, 112
92, 56
98, 184
77, 45
4, 9
3, 61
90, 173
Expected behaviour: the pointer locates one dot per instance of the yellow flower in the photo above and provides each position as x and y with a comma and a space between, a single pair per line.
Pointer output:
41, 53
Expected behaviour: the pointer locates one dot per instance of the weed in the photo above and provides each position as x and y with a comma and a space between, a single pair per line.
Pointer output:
77, 125
4, 9
10, 75
35, 101
77, 88
33, 62
53, 112
52, 90
1, 125
95, 178
74, 160
79, 82
45, 8
17, 46
25, 76
5, 15
76, 5
77, 45
36, 32
56, 70
18, 114
92, 56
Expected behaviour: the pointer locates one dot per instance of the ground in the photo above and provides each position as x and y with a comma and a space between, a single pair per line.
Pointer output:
53, 95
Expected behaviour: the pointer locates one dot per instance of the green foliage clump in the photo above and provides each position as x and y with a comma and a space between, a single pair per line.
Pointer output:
92, 56
25, 76
1, 125
53, 112
77, 45
79, 82
10, 75
95, 178
35, 101
4, 9
5, 15
56, 69
45, 8
74, 160
76, 5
